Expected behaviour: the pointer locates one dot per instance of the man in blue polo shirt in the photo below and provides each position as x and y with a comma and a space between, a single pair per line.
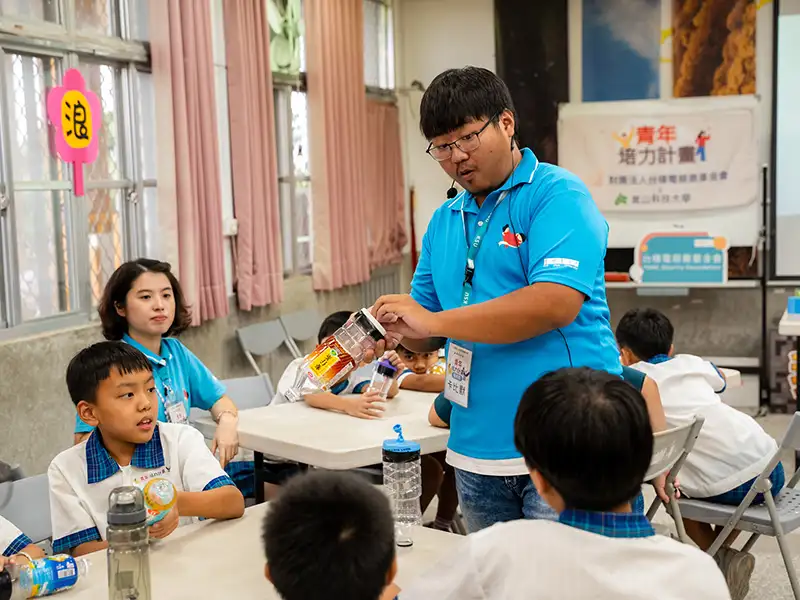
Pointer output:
511, 271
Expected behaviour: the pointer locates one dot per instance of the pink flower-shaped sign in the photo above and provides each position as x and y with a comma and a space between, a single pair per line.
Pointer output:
75, 114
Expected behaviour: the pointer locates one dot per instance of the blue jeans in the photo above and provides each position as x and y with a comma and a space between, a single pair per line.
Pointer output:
489, 499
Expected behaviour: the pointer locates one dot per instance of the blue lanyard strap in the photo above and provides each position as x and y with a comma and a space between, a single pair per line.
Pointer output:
472, 249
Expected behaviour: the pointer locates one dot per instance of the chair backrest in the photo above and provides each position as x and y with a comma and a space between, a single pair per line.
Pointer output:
791, 439
301, 326
261, 339
246, 392
671, 446
26, 503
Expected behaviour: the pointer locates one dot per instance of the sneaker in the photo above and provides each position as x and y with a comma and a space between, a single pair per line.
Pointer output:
737, 567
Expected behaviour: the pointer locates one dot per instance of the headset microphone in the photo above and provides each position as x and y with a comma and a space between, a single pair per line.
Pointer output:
452, 192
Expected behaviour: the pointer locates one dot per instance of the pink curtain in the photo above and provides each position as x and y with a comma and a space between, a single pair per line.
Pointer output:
338, 130
385, 189
189, 61
259, 266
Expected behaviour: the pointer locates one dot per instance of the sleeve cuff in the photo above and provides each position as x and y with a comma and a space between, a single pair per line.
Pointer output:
73, 540
218, 482
722, 377
19, 544
360, 387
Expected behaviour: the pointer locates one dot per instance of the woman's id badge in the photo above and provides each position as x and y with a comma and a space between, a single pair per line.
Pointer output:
456, 382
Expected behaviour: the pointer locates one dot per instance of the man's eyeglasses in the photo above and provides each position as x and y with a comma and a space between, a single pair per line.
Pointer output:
466, 143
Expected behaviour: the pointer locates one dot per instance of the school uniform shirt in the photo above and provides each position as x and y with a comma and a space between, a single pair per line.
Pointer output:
545, 229
176, 371
82, 477
12, 540
731, 449
355, 383
602, 556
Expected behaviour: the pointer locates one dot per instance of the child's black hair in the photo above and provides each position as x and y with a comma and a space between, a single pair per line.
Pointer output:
329, 535
333, 322
93, 365
116, 291
432, 344
646, 332
588, 433
458, 96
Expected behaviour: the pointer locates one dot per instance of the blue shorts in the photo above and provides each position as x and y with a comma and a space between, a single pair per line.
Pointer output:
735, 496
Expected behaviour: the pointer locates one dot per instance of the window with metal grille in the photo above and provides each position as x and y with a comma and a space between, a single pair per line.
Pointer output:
58, 250
378, 44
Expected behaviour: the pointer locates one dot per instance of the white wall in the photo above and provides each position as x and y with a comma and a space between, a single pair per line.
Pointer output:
432, 36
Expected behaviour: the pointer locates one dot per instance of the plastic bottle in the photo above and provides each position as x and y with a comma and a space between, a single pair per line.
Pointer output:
337, 355
382, 378
128, 545
159, 498
402, 481
47, 576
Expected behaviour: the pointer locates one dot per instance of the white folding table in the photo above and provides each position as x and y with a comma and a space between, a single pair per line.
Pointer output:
225, 559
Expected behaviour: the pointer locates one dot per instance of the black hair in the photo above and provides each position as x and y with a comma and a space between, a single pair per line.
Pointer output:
427, 345
646, 332
588, 433
458, 96
93, 365
329, 535
333, 322
116, 292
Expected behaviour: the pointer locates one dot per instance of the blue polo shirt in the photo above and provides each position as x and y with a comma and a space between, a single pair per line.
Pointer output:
179, 370
546, 229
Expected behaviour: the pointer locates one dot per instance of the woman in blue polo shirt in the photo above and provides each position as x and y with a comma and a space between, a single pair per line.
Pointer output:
143, 304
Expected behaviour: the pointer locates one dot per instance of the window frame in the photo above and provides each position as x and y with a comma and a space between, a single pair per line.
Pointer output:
386, 66
65, 42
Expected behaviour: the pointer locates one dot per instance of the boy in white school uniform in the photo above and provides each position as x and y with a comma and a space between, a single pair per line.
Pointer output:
16, 545
111, 384
732, 448
350, 395
587, 442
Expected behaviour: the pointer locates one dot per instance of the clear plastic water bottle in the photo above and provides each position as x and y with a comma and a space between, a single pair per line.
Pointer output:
382, 378
128, 545
50, 575
402, 481
337, 355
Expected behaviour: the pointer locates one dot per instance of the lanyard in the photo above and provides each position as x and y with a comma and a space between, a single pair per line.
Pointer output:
472, 249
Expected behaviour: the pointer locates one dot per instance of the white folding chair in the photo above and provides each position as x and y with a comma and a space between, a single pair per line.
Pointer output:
261, 339
300, 326
670, 449
246, 392
26, 503
776, 517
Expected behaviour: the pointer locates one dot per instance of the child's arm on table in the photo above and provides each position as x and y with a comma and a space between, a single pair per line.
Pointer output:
88, 548
423, 383
220, 503
363, 406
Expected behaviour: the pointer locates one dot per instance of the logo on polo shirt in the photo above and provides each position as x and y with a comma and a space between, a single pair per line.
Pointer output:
555, 263
511, 239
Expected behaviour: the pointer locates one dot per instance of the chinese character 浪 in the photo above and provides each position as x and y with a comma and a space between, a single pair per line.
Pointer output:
648, 156
627, 156
645, 135
78, 119
666, 133
686, 154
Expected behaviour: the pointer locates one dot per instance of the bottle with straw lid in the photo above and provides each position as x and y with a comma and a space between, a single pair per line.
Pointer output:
402, 481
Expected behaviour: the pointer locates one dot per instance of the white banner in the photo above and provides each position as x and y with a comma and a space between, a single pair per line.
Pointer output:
669, 160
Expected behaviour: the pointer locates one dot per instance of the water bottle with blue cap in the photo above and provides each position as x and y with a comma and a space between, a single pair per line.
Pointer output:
402, 480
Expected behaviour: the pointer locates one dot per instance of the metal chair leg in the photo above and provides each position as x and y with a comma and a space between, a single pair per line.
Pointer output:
675, 512
784, 548
750, 542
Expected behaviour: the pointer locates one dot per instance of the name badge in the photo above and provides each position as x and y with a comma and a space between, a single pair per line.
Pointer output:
176, 413
456, 382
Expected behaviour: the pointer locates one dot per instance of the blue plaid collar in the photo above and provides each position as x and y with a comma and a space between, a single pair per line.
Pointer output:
658, 359
100, 466
158, 360
613, 525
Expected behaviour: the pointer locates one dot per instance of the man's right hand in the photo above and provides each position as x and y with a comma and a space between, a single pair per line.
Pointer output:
364, 406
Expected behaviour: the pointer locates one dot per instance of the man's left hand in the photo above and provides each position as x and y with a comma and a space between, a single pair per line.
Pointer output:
403, 315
